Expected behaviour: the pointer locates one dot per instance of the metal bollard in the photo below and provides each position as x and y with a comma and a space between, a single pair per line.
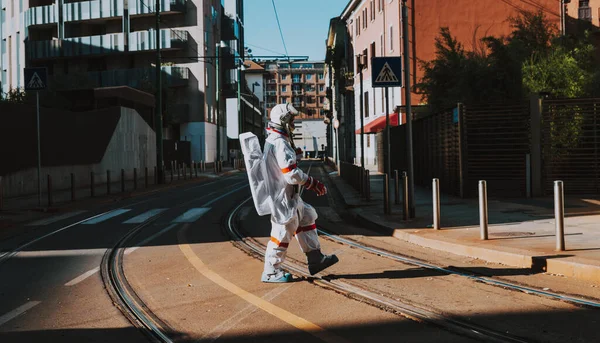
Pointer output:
396, 188
72, 187
134, 178
386, 194
123, 180
108, 182
559, 215
92, 185
1, 195
483, 209
49, 190
196, 169
145, 177
368, 184
436, 204
404, 195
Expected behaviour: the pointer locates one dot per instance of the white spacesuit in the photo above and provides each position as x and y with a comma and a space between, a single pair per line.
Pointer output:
275, 186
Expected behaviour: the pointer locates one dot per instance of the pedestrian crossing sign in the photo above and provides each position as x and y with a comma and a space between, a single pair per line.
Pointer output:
35, 79
386, 71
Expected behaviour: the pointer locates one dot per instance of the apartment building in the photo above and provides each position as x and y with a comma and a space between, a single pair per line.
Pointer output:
301, 83
104, 43
374, 29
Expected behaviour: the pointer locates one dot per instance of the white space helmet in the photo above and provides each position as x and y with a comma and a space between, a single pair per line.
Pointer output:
283, 114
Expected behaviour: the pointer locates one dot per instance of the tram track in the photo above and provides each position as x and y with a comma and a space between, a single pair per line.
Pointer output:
375, 298
122, 293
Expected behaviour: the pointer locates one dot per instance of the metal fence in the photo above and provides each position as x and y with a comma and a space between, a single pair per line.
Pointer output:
496, 145
571, 144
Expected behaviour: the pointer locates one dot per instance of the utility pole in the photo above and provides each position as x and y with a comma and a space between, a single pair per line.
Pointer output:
362, 124
218, 97
409, 139
158, 110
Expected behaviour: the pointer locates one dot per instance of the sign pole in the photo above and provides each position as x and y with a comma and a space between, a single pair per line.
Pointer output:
39, 151
411, 174
388, 148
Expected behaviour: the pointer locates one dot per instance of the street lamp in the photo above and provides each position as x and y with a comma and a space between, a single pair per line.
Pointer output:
218, 47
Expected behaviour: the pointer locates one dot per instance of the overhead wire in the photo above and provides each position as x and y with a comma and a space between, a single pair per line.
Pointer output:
280, 31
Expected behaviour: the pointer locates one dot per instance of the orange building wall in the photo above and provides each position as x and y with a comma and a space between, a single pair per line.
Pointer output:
468, 20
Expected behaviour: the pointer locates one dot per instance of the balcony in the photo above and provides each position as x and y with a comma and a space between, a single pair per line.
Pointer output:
89, 10
105, 44
43, 49
271, 93
298, 104
141, 78
297, 92
42, 15
585, 13
297, 80
271, 82
146, 8
146, 40
93, 45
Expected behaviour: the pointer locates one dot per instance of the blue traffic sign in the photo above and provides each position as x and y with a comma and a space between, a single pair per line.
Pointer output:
386, 72
35, 79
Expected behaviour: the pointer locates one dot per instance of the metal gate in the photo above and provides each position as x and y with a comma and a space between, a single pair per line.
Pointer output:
570, 144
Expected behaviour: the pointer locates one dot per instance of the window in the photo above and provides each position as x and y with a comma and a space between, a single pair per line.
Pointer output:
284, 89
366, 57
321, 99
309, 76
284, 77
368, 141
206, 77
382, 102
372, 10
296, 78
372, 48
366, 104
585, 11
358, 26
284, 100
380, 5
381, 52
365, 18
321, 76
391, 38
321, 88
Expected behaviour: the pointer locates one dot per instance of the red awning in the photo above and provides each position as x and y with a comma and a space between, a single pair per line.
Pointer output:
378, 124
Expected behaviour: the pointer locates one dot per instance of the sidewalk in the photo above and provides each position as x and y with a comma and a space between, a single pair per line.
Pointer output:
25, 208
521, 231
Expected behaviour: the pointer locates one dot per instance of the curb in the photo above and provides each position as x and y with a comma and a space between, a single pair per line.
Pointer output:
548, 264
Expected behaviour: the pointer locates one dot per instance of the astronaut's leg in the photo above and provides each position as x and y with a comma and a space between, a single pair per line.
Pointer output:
308, 239
281, 236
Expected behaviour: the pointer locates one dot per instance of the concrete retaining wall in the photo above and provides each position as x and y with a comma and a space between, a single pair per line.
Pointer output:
133, 145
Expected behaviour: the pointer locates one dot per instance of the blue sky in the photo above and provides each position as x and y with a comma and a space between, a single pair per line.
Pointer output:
304, 24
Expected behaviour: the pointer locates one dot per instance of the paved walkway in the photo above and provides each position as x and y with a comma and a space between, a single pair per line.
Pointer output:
521, 231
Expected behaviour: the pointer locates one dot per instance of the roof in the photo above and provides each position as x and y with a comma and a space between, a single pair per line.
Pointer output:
253, 67
352, 4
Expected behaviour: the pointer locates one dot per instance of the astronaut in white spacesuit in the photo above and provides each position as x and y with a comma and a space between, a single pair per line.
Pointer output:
290, 216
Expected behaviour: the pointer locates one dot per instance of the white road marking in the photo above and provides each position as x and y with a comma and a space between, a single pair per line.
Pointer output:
7, 255
138, 245
106, 216
244, 313
82, 277
54, 219
145, 216
18, 311
191, 215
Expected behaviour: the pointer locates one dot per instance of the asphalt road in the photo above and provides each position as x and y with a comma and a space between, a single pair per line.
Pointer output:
188, 272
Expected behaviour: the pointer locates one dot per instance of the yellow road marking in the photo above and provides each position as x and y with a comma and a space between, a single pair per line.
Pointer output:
266, 306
